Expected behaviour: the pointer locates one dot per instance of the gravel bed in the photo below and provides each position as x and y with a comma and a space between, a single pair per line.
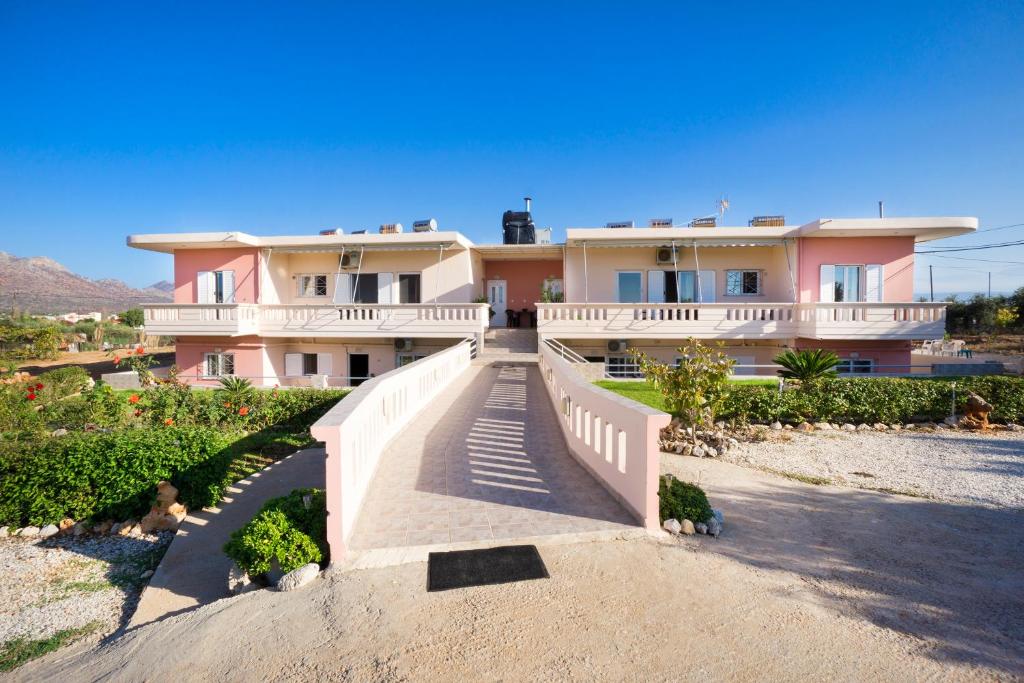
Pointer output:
65, 582
952, 465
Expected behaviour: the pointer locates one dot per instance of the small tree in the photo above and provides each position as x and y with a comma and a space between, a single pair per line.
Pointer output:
133, 317
809, 365
696, 387
1006, 317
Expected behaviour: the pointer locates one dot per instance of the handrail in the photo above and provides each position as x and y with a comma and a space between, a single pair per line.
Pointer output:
564, 351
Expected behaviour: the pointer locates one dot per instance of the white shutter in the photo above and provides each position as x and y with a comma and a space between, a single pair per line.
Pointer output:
323, 363
873, 278
384, 287
707, 286
293, 365
342, 289
228, 285
205, 287
656, 286
827, 283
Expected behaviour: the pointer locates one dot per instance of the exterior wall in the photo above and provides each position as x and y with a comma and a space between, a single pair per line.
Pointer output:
890, 353
525, 279
603, 262
188, 355
189, 262
896, 254
747, 353
453, 280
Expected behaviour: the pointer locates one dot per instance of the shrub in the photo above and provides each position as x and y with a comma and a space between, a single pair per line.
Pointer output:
680, 500
287, 530
100, 475
63, 382
808, 365
19, 419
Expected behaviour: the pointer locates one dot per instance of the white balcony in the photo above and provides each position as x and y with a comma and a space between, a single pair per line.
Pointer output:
742, 321
346, 320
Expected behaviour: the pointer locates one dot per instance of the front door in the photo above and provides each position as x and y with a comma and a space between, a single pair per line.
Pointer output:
496, 298
358, 368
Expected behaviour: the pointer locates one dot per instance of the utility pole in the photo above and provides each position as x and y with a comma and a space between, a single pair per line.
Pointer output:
931, 283
990, 284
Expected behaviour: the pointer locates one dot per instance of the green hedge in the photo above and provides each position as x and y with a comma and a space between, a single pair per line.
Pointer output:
877, 399
286, 530
110, 475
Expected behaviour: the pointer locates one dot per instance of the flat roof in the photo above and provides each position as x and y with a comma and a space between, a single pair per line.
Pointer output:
520, 252
169, 242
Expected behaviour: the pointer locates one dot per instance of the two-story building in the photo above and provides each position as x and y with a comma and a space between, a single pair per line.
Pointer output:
293, 310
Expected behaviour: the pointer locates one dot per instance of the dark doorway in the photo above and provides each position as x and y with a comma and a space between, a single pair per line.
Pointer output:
358, 368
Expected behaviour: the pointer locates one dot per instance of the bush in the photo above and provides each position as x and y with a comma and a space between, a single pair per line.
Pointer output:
19, 419
286, 530
63, 382
110, 475
875, 399
680, 500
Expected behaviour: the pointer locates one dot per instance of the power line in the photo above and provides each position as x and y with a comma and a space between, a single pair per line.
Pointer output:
985, 260
943, 250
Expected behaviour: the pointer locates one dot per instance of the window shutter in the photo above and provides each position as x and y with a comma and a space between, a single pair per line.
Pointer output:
205, 287
828, 283
324, 363
873, 278
342, 288
384, 288
293, 365
228, 285
707, 287
656, 286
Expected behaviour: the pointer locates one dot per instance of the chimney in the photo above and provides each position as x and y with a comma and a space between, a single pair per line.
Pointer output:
881, 209
528, 201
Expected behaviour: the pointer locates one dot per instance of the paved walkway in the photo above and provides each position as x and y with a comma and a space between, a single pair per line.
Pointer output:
194, 571
485, 461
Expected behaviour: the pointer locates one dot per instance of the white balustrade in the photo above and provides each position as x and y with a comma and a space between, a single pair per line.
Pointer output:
357, 430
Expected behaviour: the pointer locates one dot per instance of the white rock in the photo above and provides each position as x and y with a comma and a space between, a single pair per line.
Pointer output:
711, 452
896, 427
824, 426
879, 427
5, 531
863, 427
116, 528
80, 529
28, 532
849, 427
714, 527
59, 432
951, 421
297, 578
672, 526
687, 528
787, 426
146, 574
1014, 427
239, 581
717, 514
700, 528
698, 452
48, 530
776, 425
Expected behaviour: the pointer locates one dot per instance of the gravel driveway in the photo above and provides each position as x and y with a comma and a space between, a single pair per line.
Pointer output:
965, 467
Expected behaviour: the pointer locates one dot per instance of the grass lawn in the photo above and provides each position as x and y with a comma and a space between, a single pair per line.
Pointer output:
642, 392
16, 652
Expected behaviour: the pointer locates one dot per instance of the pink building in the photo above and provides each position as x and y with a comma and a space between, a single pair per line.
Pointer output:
337, 309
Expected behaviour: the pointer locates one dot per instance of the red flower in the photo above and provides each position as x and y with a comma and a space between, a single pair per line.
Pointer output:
243, 411
227, 404
168, 422
39, 386
117, 360
134, 398
31, 396
139, 350
138, 411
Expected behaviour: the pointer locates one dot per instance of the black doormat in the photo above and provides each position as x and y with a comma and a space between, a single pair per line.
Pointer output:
485, 567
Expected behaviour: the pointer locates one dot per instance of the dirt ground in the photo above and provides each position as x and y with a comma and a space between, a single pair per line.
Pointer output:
807, 582
95, 363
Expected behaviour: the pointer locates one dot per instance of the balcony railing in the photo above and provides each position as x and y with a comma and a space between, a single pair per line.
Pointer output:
743, 321
283, 320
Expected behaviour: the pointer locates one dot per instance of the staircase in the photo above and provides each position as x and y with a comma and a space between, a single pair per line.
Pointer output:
509, 344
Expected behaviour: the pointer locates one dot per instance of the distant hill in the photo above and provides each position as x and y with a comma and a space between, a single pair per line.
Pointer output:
41, 285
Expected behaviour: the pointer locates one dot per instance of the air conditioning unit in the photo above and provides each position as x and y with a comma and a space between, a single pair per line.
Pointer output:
767, 221
620, 224
618, 345
390, 228
659, 223
350, 260
706, 222
428, 225
403, 345
331, 232
664, 256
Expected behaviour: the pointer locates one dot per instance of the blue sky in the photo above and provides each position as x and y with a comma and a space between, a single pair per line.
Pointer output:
145, 117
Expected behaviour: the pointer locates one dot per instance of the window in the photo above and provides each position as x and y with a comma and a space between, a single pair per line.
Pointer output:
622, 367
629, 289
215, 287
312, 285
403, 359
305, 364
855, 366
408, 288
742, 282
218, 364
364, 288
847, 283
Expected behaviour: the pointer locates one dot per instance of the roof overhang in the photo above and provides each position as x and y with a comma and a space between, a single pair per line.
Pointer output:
921, 229
413, 241
666, 237
520, 252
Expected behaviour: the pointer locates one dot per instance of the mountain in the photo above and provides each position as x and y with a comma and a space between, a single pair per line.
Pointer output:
41, 285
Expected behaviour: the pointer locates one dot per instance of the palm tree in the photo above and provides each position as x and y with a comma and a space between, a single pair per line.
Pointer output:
808, 365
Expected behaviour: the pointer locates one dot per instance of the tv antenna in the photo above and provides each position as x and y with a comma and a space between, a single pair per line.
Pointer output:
723, 205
